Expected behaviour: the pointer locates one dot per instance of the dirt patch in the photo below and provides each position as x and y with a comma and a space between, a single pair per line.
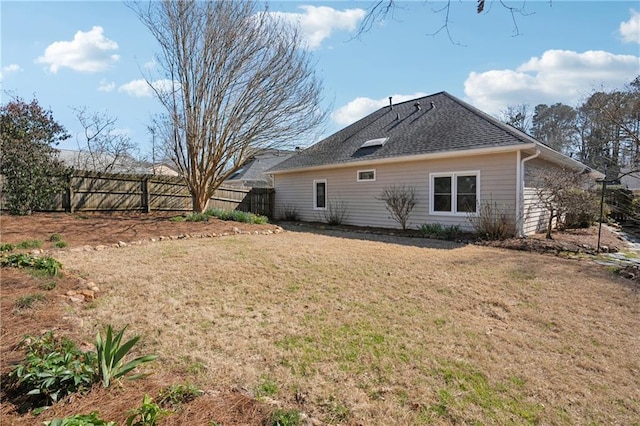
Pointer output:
94, 229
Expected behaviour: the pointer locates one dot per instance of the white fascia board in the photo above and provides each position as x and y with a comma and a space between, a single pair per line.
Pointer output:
408, 158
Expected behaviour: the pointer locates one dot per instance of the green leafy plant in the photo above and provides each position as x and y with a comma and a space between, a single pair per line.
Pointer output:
61, 244
197, 217
236, 216
281, 417
27, 302
147, 415
80, 420
177, 219
7, 247
29, 244
111, 353
55, 238
440, 231
175, 395
54, 367
24, 260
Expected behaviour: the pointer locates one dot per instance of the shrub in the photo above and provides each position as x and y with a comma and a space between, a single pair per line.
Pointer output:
147, 415
111, 353
583, 209
53, 368
237, 216
336, 212
290, 213
399, 202
80, 420
61, 244
176, 395
491, 222
197, 217
55, 238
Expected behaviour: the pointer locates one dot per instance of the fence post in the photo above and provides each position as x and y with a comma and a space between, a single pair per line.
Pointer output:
146, 205
69, 195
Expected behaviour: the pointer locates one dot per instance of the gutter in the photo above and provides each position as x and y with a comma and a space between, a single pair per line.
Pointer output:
520, 190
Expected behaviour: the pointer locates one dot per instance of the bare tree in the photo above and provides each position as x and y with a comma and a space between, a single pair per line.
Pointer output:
241, 82
381, 9
399, 202
563, 192
518, 116
102, 148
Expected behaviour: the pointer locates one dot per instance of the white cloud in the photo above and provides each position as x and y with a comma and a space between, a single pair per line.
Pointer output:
317, 23
105, 86
630, 30
11, 68
141, 89
150, 64
557, 76
89, 51
360, 107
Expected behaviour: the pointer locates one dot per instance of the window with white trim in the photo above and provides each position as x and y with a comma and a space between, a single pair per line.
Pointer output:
366, 175
455, 193
320, 194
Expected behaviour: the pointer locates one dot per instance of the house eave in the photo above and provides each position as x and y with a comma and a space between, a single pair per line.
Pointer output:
565, 161
408, 158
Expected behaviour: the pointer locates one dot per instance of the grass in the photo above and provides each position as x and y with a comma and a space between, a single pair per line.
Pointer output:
396, 331
28, 301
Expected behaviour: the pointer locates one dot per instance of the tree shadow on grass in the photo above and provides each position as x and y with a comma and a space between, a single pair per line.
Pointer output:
411, 238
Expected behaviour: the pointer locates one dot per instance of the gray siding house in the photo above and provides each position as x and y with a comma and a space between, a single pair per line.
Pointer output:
455, 156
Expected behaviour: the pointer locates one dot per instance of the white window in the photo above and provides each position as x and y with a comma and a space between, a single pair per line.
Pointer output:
365, 175
320, 194
455, 193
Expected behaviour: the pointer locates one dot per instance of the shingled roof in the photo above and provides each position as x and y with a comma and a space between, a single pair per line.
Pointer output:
432, 124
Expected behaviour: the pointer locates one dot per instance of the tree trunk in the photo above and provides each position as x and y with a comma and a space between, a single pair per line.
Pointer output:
550, 225
200, 201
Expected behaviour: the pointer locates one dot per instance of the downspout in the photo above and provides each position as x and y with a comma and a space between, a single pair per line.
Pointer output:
520, 190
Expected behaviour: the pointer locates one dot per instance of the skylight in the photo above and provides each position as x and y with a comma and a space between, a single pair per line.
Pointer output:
374, 142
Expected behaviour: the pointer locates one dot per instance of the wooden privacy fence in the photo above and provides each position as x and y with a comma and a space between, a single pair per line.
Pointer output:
105, 192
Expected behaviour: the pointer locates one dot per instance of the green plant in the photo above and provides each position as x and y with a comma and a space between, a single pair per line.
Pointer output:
29, 162
29, 244
267, 387
53, 367
399, 202
111, 353
80, 420
197, 217
61, 244
449, 232
47, 286
147, 415
24, 260
177, 219
175, 395
27, 302
55, 238
281, 417
7, 247
236, 216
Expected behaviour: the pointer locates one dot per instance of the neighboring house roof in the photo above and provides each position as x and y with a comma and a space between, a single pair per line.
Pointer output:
630, 178
252, 172
100, 162
427, 126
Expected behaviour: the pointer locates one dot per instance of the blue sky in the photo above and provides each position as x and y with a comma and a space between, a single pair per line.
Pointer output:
96, 55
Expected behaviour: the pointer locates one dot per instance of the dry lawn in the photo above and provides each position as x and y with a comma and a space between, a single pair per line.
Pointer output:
357, 329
